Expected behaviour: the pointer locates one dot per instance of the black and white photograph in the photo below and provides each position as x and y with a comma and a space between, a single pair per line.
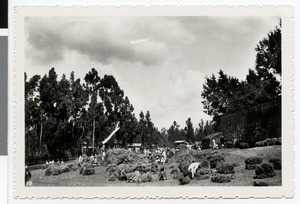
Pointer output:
135, 101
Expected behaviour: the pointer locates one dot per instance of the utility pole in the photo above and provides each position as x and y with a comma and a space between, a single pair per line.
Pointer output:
93, 135
41, 134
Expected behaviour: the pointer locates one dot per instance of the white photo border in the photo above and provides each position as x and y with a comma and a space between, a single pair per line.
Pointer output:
284, 191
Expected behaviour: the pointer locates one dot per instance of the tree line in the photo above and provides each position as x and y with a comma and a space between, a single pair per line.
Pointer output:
224, 94
62, 114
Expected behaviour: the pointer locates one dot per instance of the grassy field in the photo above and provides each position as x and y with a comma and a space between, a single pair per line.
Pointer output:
243, 177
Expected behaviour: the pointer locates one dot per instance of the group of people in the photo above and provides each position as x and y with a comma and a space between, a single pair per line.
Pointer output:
159, 153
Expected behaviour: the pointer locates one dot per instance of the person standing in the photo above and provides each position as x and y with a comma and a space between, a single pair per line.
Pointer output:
222, 140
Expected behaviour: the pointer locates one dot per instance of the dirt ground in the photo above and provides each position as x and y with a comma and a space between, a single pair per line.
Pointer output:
243, 177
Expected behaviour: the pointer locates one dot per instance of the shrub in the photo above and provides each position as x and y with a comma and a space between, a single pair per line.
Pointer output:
225, 168
264, 171
276, 163
221, 179
244, 145
259, 170
268, 142
253, 160
268, 169
278, 142
261, 183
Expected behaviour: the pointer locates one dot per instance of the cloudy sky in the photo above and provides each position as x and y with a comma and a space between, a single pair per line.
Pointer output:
160, 62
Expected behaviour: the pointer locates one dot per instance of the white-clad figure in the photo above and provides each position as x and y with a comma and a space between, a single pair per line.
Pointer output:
80, 159
193, 167
163, 157
103, 155
214, 144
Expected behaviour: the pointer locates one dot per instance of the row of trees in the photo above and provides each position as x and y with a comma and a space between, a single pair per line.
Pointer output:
62, 114
224, 94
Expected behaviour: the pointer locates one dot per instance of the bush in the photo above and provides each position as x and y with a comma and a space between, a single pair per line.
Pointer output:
268, 169
225, 168
278, 142
264, 171
253, 160
244, 145
261, 183
259, 170
276, 163
221, 179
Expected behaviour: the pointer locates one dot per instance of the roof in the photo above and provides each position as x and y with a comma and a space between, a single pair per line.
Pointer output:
111, 134
213, 135
135, 145
180, 141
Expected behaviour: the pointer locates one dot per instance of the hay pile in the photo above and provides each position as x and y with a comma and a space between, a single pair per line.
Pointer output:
124, 165
221, 179
56, 169
184, 157
87, 169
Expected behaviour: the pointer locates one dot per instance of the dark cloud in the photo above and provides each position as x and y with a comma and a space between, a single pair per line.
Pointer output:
50, 38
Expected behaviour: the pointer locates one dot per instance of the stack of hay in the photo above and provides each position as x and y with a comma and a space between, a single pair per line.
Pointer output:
87, 169
54, 169
125, 165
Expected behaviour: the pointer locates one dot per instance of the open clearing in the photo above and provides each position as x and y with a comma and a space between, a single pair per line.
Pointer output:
243, 177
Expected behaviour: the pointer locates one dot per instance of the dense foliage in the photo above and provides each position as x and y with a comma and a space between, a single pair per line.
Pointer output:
224, 94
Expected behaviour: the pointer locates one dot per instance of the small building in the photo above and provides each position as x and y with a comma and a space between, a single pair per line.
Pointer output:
178, 142
207, 141
135, 147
